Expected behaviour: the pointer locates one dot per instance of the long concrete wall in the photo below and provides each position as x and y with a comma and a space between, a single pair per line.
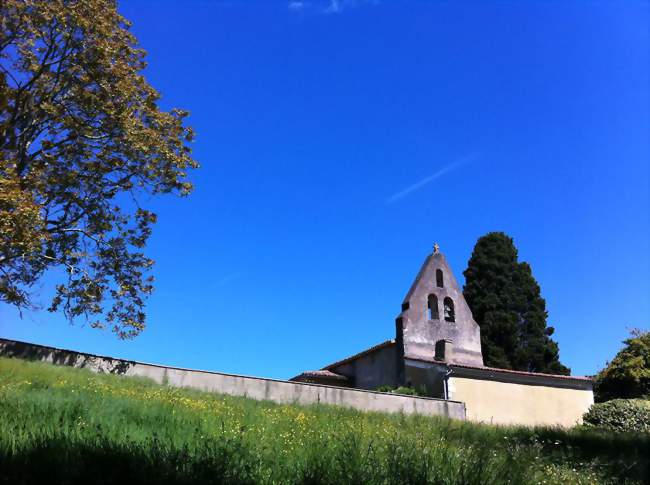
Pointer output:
497, 402
499, 396
236, 385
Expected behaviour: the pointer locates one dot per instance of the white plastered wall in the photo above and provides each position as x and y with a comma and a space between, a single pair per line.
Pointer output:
507, 403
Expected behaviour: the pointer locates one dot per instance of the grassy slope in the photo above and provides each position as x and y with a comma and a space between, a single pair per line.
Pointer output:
62, 425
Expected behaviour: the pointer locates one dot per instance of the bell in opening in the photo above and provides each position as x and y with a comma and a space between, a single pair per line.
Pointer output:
450, 315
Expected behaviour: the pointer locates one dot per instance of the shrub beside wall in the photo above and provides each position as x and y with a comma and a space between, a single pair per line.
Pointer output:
407, 391
628, 375
620, 415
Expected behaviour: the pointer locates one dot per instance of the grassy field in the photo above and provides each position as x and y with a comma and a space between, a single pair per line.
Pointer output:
62, 425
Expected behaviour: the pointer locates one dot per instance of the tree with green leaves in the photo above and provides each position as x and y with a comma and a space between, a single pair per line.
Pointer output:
507, 304
628, 375
82, 138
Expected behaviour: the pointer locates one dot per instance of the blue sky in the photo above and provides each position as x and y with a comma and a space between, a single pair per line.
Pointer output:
340, 140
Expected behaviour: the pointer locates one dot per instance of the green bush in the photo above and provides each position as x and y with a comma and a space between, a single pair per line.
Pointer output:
628, 375
620, 415
385, 388
409, 391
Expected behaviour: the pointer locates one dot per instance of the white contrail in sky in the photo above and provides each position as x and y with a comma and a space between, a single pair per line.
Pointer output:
327, 6
228, 278
421, 183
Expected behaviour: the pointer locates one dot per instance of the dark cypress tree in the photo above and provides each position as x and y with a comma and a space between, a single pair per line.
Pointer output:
506, 302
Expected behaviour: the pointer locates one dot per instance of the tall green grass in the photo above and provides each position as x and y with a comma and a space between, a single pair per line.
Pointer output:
62, 425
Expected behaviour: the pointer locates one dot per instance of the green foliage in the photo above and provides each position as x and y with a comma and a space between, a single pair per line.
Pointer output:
62, 425
408, 391
385, 388
82, 139
620, 415
506, 302
628, 375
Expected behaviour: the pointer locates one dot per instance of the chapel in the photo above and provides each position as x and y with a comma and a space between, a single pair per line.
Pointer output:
437, 351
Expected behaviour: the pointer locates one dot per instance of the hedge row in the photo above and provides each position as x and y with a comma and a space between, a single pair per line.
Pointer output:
620, 415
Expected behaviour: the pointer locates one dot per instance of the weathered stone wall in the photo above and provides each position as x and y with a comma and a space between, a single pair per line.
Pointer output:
371, 370
235, 385
426, 378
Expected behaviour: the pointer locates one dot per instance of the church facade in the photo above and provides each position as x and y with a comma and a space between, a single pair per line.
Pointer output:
437, 350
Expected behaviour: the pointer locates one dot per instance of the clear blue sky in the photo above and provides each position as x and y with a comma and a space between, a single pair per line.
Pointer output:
340, 140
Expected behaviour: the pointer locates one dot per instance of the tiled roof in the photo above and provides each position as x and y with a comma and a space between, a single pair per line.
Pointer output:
521, 372
323, 374
504, 371
380, 346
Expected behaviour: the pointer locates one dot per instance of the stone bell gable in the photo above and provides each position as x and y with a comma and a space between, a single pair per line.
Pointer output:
436, 322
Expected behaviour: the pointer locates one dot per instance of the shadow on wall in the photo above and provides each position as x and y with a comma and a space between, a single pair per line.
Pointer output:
70, 358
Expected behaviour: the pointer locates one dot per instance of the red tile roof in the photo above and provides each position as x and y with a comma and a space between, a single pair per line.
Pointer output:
504, 371
521, 372
322, 374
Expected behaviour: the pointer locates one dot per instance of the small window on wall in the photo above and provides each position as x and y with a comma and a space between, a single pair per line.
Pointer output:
450, 315
432, 307
440, 350
439, 281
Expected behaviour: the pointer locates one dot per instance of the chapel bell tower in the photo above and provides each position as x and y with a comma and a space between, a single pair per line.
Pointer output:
436, 322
